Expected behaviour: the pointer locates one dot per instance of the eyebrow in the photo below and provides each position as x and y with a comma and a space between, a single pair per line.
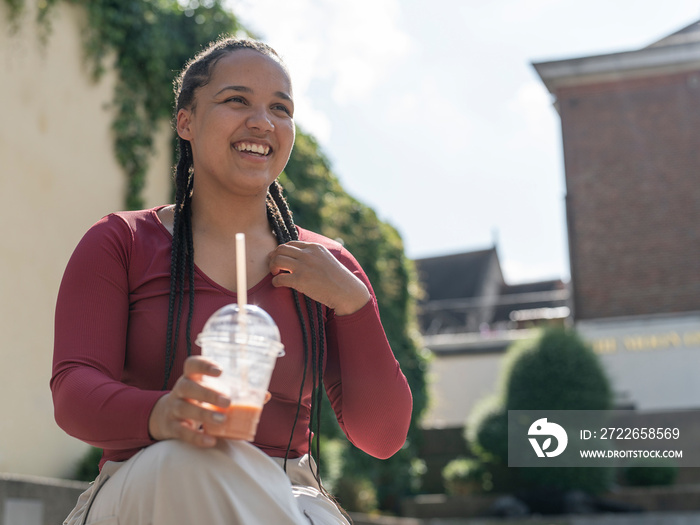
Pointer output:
245, 89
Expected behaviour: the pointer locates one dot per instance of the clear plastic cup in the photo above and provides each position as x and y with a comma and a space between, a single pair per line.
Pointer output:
246, 346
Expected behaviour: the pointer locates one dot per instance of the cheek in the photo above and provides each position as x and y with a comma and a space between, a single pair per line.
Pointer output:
289, 134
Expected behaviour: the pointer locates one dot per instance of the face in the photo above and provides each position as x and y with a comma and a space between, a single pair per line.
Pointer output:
241, 125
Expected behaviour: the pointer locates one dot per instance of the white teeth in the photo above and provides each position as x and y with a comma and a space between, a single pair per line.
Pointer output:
253, 148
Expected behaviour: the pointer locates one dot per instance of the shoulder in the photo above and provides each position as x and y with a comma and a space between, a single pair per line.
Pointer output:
129, 223
119, 230
333, 246
136, 219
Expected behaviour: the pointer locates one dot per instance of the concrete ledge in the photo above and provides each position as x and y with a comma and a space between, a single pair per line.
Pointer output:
678, 498
33, 500
656, 518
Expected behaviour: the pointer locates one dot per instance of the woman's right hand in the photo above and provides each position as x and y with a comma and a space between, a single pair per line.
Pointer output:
179, 414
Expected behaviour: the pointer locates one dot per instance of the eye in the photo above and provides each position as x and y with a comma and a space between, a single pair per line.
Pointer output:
283, 108
237, 99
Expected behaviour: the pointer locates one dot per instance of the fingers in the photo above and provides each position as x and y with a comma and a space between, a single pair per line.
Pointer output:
180, 413
311, 269
286, 257
164, 423
194, 392
299, 259
198, 365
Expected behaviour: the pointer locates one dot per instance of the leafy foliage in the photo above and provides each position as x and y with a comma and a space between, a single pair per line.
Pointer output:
147, 42
87, 468
464, 476
556, 371
486, 430
648, 472
140, 34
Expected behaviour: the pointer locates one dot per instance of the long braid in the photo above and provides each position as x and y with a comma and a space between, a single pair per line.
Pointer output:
275, 191
190, 273
319, 399
305, 341
274, 218
313, 308
314, 375
183, 184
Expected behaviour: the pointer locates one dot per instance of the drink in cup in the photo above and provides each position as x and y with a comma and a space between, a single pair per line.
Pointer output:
245, 342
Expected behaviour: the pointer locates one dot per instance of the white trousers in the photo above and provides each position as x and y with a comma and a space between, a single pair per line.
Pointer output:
234, 483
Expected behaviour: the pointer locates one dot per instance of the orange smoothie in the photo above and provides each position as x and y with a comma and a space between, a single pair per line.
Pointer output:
241, 422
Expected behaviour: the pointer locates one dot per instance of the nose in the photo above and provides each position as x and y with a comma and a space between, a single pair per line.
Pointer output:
260, 120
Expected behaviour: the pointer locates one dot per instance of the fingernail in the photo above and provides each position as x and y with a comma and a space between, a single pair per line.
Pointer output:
218, 417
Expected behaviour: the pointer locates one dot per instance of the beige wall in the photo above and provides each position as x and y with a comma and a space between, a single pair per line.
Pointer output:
457, 383
58, 175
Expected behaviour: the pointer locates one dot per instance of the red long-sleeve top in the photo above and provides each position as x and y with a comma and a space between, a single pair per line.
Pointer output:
109, 348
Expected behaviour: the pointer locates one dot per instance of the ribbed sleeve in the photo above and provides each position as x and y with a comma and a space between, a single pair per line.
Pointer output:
365, 385
92, 313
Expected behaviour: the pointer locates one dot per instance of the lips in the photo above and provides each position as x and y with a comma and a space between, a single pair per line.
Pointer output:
253, 148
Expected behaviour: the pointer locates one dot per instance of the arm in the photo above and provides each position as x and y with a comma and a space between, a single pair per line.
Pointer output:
364, 382
368, 391
92, 311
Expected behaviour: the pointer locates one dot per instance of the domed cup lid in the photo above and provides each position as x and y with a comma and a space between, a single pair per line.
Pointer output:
230, 325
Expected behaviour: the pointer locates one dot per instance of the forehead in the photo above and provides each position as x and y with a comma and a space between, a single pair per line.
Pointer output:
250, 68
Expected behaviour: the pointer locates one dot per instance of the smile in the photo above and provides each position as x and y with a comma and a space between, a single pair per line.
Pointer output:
255, 149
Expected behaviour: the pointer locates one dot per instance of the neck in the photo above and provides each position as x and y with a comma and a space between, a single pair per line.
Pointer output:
223, 218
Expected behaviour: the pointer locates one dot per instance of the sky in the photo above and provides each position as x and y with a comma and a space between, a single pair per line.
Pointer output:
431, 112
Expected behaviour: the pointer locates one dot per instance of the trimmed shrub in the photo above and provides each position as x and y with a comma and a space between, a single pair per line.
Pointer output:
648, 472
556, 370
466, 476
486, 431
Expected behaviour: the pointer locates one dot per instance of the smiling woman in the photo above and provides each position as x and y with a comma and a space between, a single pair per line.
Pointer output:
140, 284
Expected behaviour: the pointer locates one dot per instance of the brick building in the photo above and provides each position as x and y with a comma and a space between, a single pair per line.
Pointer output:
631, 137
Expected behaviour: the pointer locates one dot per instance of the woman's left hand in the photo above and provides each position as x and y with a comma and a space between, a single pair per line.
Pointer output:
312, 270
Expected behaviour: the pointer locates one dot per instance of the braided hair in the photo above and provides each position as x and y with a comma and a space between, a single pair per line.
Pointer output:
197, 73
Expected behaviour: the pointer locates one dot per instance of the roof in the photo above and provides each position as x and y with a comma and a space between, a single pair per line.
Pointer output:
457, 276
687, 35
676, 53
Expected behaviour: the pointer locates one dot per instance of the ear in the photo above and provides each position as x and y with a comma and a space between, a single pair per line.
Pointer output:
184, 123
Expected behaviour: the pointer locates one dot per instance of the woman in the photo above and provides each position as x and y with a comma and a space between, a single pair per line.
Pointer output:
140, 286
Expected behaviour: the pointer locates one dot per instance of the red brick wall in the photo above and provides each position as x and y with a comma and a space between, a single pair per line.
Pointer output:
632, 161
